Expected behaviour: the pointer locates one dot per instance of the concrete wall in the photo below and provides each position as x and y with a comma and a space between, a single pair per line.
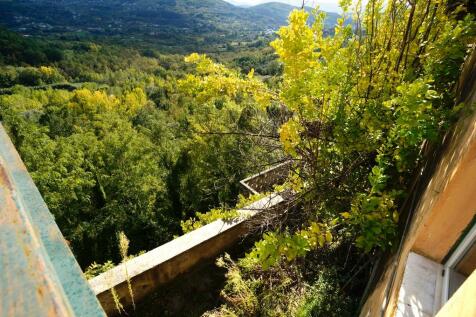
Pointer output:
445, 208
265, 180
419, 294
163, 264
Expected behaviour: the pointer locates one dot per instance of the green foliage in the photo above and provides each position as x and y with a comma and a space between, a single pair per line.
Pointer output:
18, 50
115, 155
325, 298
225, 214
96, 269
362, 105
246, 294
238, 292
29, 76
374, 216
264, 63
202, 219
182, 26
134, 141
281, 291
273, 246
416, 118
225, 120
98, 175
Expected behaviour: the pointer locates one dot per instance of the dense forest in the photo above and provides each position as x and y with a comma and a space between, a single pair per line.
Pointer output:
117, 141
172, 25
126, 137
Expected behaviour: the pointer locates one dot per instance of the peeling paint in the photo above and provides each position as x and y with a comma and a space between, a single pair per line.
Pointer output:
39, 275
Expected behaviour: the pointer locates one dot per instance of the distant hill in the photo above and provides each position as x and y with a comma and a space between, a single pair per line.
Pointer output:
276, 14
154, 18
133, 16
19, 50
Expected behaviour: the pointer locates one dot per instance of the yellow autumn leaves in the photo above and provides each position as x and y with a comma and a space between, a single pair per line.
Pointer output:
94, 101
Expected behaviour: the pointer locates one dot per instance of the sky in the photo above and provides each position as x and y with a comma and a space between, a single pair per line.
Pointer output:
325, 5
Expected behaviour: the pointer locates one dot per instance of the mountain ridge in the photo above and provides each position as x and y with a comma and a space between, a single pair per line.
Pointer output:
174, 26
133, 16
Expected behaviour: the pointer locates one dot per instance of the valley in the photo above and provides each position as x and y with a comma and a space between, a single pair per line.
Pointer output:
141, 122
197, 25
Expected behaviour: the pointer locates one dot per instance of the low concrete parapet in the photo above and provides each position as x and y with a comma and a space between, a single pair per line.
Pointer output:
265, 180
166, 262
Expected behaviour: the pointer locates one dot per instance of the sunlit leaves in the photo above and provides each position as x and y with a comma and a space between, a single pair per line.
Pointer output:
289, 136
416, 118
214, 81
275, 247
96, 172
362, 103
374, 216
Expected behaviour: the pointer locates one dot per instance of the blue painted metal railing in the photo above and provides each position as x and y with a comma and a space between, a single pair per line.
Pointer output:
39, 275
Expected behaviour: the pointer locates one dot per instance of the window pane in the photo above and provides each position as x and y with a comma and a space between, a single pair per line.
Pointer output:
462, 270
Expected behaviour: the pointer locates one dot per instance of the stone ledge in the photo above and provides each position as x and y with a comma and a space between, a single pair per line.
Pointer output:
162, 264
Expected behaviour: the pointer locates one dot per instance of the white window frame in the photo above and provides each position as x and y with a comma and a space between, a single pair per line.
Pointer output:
454, 259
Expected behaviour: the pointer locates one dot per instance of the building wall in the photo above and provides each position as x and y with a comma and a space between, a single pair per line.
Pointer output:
446, 207
463, 302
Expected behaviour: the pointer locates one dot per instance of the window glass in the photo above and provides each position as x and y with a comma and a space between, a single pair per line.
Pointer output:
464, 267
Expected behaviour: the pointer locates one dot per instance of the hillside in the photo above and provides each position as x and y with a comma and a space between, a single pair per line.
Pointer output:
152, 163
154, 19
275, 14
